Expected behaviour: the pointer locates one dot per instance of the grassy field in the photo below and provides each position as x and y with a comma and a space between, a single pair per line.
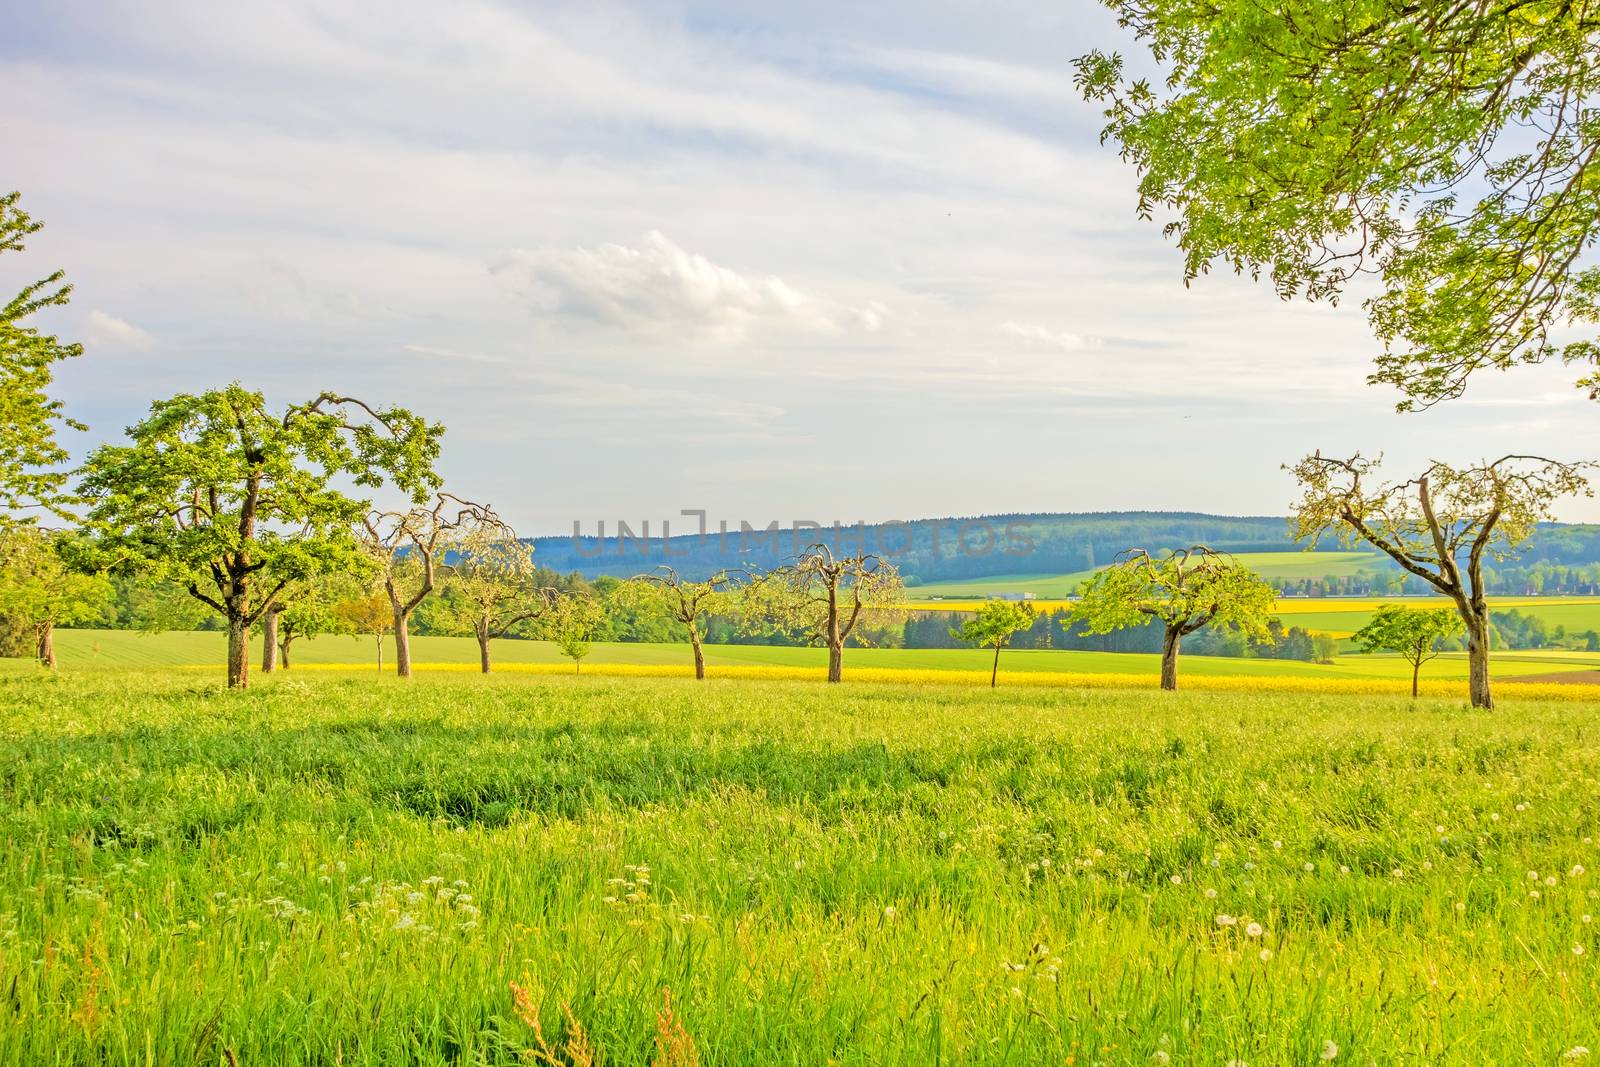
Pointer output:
102, 649
1340, 615
324, 869
1048, 586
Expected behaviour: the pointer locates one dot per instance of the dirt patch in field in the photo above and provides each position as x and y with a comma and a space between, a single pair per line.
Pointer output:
1560, 677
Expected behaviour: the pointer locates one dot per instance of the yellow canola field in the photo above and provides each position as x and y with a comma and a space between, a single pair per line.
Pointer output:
1021, 679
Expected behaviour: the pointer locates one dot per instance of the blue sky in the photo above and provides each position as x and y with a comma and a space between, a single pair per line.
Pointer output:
771, 260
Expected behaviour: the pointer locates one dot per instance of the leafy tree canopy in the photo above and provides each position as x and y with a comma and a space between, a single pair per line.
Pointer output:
39, 584
994, 623
571, 622
1412, 632
1448, 149
28, 417
236, 501
1183, 590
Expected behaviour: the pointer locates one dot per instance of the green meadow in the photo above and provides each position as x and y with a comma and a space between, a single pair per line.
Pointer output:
204, 651
330, 868
1049, 586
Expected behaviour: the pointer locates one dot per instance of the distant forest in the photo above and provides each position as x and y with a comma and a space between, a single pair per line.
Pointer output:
1560, 558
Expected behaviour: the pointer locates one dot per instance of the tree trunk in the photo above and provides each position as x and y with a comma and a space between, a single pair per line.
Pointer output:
269, 640
47, 644
835, 641
1478, 661
699, 654
483, 651
1416, 669
238, 652
378, 640
283, 651
402, 644
1169, 659
994, 672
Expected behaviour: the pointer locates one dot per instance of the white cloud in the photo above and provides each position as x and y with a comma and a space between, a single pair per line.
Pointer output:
108, 331
1032, 335
319, 197
661, 288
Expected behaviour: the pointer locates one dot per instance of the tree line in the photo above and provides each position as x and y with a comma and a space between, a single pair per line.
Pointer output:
258, 511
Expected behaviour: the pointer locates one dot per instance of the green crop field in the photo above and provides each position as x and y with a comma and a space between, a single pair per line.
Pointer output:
328, 868
1344, 615
1050, 586
100, 649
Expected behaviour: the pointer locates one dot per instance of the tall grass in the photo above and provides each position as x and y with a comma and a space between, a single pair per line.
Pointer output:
509, 870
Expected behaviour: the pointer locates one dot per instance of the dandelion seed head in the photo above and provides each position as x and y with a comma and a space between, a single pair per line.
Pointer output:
1330, 1051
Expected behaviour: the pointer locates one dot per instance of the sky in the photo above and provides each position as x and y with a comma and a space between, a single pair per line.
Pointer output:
824, 261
